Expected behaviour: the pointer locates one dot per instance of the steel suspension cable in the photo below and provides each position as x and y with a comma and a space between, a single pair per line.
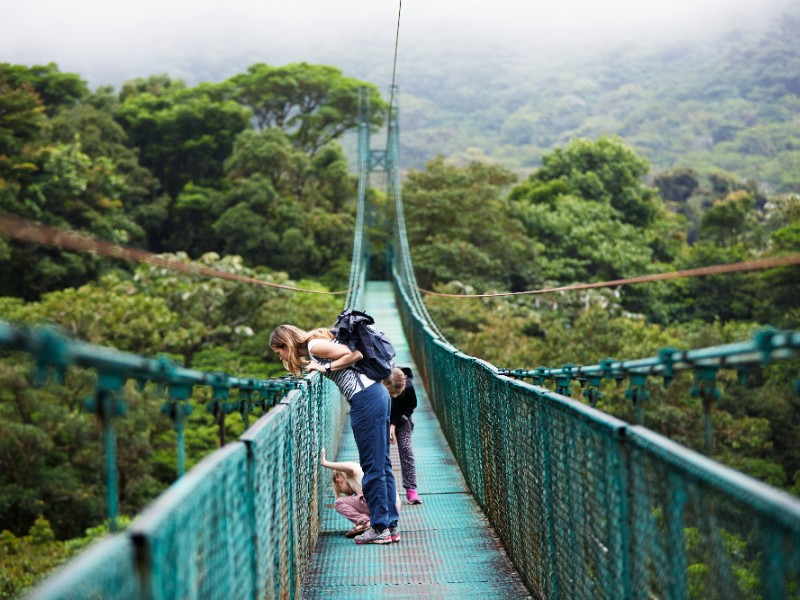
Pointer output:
359, 263
394, 60
403, 251
393, 183
28, 231
739, 267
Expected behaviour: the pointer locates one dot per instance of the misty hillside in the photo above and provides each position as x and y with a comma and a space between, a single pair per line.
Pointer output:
728, 103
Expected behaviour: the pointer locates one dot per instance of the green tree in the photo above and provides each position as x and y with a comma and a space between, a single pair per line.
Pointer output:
285, 210
22, 120
485, 246
776, 303
604, 171
69, 169
111, 312
24, 129
209, 312
314, 104
322, 180
580, 241
60, 472
731, 221
72, 189
183, 135
268, 153
26, 559
677, 186
102, 137
155, 85
56, 89
592, 219
23, 125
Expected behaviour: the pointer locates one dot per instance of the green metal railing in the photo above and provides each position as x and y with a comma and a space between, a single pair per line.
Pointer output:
242, 523
587, 505
54, 352
766, 346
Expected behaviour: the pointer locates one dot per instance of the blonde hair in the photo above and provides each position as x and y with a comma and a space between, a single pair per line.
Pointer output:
336, 491
396, 382
296, 340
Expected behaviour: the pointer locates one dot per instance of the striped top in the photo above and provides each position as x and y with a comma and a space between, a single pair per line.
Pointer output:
347, 380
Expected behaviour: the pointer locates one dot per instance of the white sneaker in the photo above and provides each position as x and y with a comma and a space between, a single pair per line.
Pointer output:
370, 536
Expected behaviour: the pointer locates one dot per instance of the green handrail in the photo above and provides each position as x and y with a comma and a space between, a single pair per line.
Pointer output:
766, 346
240, 524
588, 506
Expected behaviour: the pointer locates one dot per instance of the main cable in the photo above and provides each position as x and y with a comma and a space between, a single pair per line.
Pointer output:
28, 231
738, 267
394, 61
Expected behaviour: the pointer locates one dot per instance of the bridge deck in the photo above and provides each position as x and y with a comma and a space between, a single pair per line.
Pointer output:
447, 547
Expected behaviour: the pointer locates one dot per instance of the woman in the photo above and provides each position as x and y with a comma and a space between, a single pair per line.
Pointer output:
318, 350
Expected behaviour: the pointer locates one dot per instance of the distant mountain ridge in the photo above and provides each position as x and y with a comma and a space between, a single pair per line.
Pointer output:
730, 104
727, 103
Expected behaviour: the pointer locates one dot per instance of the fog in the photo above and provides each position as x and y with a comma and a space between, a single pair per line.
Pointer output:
109, 41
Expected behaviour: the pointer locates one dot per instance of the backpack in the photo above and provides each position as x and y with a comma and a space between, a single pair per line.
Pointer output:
355, 330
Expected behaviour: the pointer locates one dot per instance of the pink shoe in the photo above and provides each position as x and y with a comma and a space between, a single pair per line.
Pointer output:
412, 497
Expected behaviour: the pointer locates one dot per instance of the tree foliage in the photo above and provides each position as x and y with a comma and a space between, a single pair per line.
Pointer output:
314, 104
716, 102
603, 171
182, 134
173, 168
484, 246
578, 235
213, 324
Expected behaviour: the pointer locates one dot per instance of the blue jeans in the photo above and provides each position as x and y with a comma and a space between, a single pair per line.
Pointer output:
369, 419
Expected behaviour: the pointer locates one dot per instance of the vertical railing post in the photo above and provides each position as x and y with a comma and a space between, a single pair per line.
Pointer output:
108, 403
637, 393
245, 403
547, 498
563, 381
178, 408
592, 392
705, 386
219, 405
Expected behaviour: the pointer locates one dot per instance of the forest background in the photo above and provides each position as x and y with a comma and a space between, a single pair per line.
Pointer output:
590, 168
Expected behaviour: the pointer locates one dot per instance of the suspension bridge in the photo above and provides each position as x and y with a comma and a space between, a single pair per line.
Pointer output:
526, 491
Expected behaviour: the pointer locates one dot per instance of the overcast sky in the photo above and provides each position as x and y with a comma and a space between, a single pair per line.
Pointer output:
109, 41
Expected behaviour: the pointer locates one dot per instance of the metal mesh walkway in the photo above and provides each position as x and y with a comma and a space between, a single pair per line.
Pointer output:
447, 547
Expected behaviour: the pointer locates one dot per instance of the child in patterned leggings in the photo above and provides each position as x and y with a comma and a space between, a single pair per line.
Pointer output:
404, 401
349, 495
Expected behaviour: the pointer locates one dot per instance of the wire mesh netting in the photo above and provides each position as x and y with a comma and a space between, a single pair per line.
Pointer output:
447, 546
106, 567
588, 506
241, 524
706, 531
